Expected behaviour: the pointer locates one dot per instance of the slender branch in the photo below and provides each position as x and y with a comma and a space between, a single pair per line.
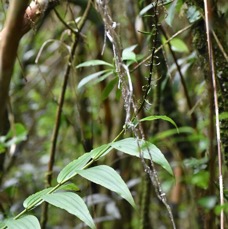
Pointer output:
161, 46
64, 23
220, 46
216, 107
189, 102
59, 112
154, 41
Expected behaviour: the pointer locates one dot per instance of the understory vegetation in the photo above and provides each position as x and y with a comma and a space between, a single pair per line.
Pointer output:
113, 114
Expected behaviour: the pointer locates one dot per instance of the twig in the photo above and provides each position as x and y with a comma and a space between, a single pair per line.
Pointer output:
220, 46
161, 46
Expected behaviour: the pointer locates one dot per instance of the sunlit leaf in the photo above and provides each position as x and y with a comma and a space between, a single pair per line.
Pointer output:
72, 203
91, 77
90, 63
35, 198
71, 169
193, 14
100, 151
17, 133
130, 146
108, 178
145, 9
178, 45
172, 11
163, 117
27, 222
128, 53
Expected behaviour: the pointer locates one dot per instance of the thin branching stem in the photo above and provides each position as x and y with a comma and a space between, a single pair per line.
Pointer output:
59, 113
127, 93
161, 46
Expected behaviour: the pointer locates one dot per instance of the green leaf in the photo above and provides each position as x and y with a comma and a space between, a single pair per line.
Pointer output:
163, 117
128, 53
89, 78
173, 9
130, 146
219, 208
72, 203
108, 178
146, 9
26, 222
178, 45
223, 116
193, 14
2, 225
17, 129
35, 198
100, 151
68, 187
145, 32
18, 133
208, 202
109, 87
168, 133
150, 6
72, 168
2, 147
90, 63
201, 179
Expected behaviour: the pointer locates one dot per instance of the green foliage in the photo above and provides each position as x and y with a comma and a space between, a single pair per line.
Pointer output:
162, 117
128, 54
208, 202
108, 178
62, 196
26, 222
71, 203
173, 9
73, 167
178, 45
148, 151
90, 63
193, 14
35, 199
94, 137
200, 179
109, 87
17, 134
